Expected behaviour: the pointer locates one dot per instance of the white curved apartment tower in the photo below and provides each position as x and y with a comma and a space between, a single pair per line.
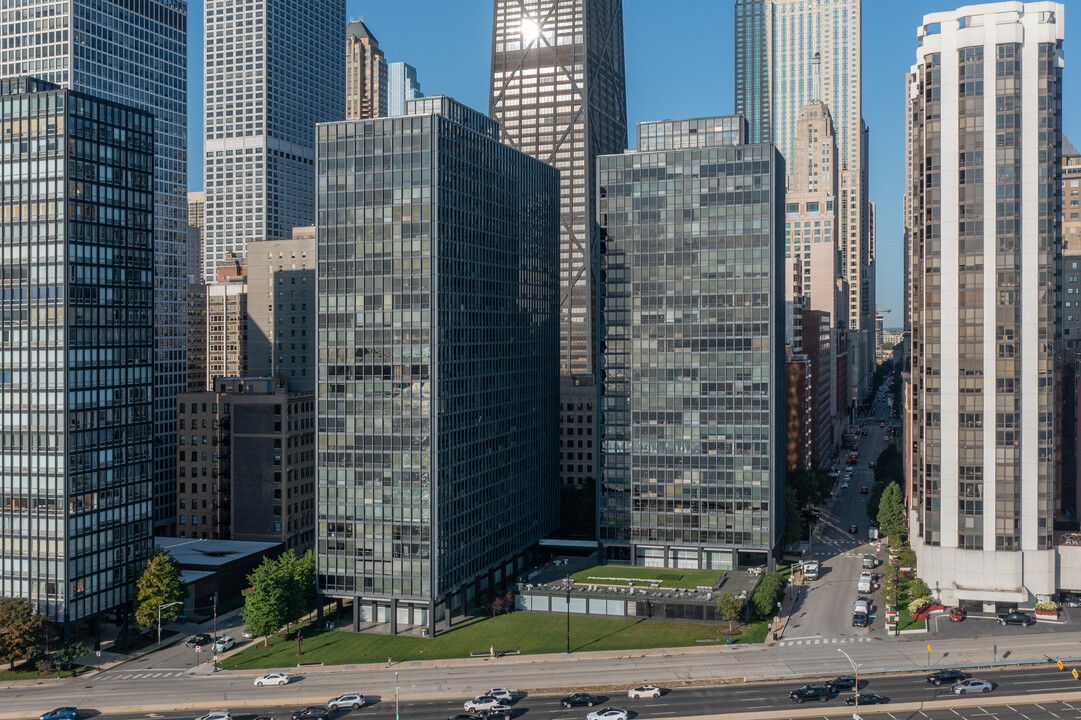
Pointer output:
985, 103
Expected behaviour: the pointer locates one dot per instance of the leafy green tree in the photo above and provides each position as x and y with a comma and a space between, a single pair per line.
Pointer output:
891, 512
298, 577
68, 654
266, 602
793, 519
768, 593
907, 557
729, 608
19, 627
918, 588
159, 584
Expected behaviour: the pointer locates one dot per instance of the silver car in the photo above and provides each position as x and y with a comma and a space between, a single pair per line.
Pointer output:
971, 685
348, 700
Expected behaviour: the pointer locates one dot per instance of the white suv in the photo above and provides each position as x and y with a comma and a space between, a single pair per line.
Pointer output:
481, 702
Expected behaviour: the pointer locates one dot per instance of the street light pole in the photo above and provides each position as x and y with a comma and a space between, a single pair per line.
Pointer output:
160, 608
856, 669
396, 688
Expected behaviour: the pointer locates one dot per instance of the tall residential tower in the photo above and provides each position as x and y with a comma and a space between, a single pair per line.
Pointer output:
365, 74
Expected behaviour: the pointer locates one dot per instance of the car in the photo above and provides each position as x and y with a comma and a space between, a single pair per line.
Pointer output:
216, 715
810, 692
863, 490
579, 699
313, 711
860, 619
1070, 599
247, 635
870, 561
1016, 618
942, 676
957, 614
501, 694
649, 691
62, 713
845, 682
274, 678
866, 699
481, 702
608, 713
225, 642
496, 712
853, 529
882, 425
971, 685
200, 639
348, 700
462, 716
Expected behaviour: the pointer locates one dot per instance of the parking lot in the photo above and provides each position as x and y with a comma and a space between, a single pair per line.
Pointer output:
977, 625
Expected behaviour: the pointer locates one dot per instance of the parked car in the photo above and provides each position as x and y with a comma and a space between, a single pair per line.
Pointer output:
864, 583
481, 702
943, 676
62, 713
311, 712
863, 490
607, 714
970, 686
216, 715
579, 699
1070, 599
810, 692
225, 642
957, 614
845, 682
274, 678
1016, 618
647, 691
867, 699
501, 694
200, 639
870, 561
348, 700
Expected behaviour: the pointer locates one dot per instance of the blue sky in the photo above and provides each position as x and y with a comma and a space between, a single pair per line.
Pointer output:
679, 57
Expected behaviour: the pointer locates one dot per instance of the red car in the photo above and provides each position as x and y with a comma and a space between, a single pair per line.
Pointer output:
957, 614
863, 490
882, 424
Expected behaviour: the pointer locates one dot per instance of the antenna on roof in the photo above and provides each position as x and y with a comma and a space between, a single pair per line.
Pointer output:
816, 77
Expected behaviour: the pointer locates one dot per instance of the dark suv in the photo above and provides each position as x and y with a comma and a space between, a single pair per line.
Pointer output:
945, 676
845, 682
200, 639
810, 692
1016, 618
579, 699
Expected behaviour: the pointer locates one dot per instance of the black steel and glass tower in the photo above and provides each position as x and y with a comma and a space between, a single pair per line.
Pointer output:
77, 342
437, 262
692, 347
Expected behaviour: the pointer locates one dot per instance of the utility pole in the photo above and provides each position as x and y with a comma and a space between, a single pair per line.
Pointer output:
215, 630
856, 669
396, 688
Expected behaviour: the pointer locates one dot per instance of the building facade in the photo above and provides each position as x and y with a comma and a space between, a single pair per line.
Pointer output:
437, 360
985, 327
1071, 245
402, 85
365, 74
73, 44
260, 124
281, 309
227, 322
692, 347
197, 336
196, 224
77, 341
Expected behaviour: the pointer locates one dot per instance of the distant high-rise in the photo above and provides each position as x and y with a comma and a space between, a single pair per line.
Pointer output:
985, 102
196, 224
1071, 245
77, 337
438, 378
402, 85
692, 337
788, 53
260, 123
73, 43
365, 74
227, 322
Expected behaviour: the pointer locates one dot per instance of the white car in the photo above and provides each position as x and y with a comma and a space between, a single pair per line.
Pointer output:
500, 694
348, 700
216, 715
970, 686
644, 691
608, 714
275, 678
226, 642
481, 702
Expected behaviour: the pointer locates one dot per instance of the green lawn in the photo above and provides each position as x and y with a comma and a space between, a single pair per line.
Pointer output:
905, 621
529, 633
620, 575
28, 671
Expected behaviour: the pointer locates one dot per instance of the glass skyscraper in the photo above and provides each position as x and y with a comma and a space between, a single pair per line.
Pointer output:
437, 388
73, 43
692, 347
402, 85
76, 348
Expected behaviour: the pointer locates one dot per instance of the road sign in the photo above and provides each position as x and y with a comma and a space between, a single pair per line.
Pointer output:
1060, 667
1074, 673
198, 648
928, 647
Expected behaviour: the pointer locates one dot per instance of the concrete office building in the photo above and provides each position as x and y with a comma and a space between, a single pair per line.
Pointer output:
1071, 245
402, 85
365, 74
788, 53
197, 336
437, 359
281, 309
73, 44
260, 123
77, 342
985, 327
692, 346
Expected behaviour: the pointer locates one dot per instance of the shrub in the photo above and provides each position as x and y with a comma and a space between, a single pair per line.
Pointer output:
45, 666
1047, 606
918, 588
915, 605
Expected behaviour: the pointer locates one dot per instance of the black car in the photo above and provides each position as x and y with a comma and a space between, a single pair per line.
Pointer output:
495, 714
867, 699
945, 676
859, 619
845, 682
1016, 618
311, 712
462, 716
579, 699
200, 639
853, 529
810, 692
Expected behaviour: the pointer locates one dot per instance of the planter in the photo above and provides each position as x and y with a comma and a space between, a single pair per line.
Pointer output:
1050, 614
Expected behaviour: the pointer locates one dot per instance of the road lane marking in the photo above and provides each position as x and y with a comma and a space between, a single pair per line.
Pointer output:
1052, 679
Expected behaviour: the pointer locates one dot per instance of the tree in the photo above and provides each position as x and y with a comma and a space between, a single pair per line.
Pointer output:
793, 519
891, 512
159, 584
19, 627
768, 594
68, 654
729, 608
918, 588
266, 602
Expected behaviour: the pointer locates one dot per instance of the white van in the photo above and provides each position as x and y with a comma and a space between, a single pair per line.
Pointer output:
810, 570
864, 585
